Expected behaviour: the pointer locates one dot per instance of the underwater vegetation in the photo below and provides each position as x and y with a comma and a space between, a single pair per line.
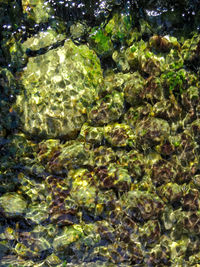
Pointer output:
99, 133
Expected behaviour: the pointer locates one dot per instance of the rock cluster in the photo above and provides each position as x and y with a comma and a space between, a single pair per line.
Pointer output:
104, 166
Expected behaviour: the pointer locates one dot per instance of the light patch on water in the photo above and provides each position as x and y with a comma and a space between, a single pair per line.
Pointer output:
80, 5
7, 26
37, 72
56, 78
102, 4
82, 183
36, 100
61, 56
155, 13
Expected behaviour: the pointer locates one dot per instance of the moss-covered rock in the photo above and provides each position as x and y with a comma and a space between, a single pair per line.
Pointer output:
55, 98
100, 41
120, 28
190, 49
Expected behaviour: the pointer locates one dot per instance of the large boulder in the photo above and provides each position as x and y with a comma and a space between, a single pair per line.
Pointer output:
58, 89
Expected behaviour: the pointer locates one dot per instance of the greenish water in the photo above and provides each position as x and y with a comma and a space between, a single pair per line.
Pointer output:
99, 133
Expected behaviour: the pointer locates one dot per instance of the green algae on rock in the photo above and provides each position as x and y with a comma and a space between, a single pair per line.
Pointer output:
29, 246
163, 44
14, 261
135, 114
118, 30
37, 212
54, 99
150, 233
138, 57
4, 248
190, 49
100, 42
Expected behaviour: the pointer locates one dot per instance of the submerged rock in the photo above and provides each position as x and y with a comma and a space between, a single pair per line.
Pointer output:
37, 11
108, 109
151, 131
119, 135
12, 260
43, 39
68, 235
59, 86
120, 28
79, 30
12, 205
100, 42
142, 205
134, 88
92, 134
8, 89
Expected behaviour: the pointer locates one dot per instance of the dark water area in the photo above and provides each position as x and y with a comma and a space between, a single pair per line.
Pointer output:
99, 133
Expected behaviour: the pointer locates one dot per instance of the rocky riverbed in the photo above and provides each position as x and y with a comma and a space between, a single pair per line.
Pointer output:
99, 135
